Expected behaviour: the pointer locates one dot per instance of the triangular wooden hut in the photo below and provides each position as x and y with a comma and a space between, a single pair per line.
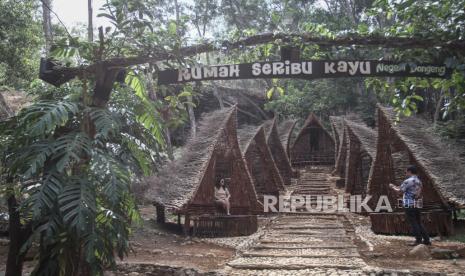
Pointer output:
265, 175
277, 150
285, 130
186, 186
313, 145
441, 171
361, 151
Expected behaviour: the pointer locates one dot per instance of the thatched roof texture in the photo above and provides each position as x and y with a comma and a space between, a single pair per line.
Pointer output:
285, 129
178, 180
442, 165
264, 172
277, 150
367, 136
337, 127
246, 134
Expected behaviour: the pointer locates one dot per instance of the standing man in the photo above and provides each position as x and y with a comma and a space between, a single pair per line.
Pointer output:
412, 201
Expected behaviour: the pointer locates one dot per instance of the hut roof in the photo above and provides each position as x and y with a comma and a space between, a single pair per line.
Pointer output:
11, 102
268, 127
444, 167
246, 134
178, 180
337, 123
312, 119
365, 135
285, 129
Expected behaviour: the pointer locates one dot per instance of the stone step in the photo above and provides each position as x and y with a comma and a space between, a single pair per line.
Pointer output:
303, 253
306, 272
281, 245
294, 263
305, 239
309, 227
304, 231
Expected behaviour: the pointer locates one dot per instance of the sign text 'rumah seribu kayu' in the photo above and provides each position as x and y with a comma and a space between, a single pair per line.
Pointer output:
303, 70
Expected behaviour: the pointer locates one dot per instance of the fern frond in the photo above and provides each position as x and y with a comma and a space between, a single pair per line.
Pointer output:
32, 158
77, 204
70, 148
43, 194
139, 152
150, 122
114, 177
44, 117
106, 123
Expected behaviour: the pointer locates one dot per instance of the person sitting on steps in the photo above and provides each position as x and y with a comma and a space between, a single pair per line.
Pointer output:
222, 196
411, 189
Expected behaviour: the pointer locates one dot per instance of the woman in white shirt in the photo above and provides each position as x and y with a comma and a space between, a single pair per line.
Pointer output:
222, 196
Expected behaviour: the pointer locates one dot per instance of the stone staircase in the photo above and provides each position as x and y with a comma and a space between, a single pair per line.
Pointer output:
303, 243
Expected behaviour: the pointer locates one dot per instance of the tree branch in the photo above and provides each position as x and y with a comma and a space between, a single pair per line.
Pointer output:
160, 54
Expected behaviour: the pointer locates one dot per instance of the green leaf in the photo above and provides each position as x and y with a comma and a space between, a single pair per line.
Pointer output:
106, 123
184, 94
77, 204
44, 117
135, 82
43, 194
172, 28
417, 97
70, 149
269, 93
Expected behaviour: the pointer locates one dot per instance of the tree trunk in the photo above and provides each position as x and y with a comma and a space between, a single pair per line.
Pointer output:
47, 24
90, 26
18, 236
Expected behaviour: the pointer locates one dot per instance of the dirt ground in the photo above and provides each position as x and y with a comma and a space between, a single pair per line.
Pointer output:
156, 245
160, 246
391, 252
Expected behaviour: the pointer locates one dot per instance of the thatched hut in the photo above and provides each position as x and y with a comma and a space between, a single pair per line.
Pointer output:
361, 151
263, 170
313, 145
277, 150
285, 130
186, 186
441, 171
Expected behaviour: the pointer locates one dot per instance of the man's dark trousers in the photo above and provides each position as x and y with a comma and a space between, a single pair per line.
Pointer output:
414, 218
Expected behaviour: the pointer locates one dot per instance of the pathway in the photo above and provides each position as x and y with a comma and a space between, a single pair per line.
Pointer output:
303, 243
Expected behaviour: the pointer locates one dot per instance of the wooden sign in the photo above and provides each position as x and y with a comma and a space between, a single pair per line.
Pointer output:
312, 69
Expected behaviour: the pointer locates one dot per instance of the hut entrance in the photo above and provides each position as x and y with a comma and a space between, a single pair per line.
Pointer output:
314, 139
